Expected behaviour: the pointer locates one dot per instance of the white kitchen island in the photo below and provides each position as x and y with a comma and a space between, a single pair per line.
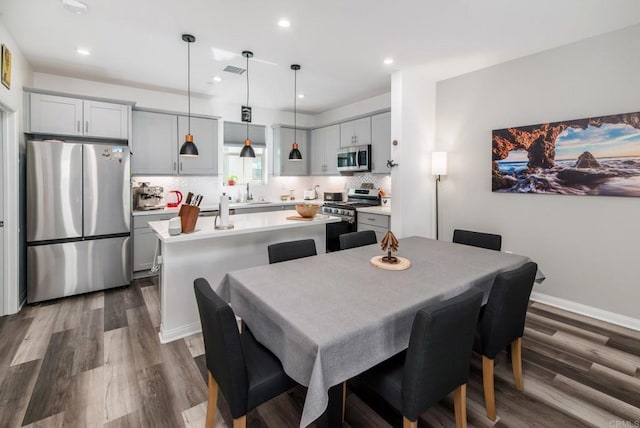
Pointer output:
211, 253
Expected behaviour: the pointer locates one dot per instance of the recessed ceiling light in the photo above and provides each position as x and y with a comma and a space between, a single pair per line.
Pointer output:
388, 61
217, 79
75, 6
300, 95
284, 23
84, 52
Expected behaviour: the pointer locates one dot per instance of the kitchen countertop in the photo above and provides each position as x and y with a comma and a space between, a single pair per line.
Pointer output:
244, 223
234, 205
375, 210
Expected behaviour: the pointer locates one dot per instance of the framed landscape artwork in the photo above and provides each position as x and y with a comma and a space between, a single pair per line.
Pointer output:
6, 67
593, 156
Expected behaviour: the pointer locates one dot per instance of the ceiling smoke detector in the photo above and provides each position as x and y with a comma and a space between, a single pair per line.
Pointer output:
75, 6
234, 70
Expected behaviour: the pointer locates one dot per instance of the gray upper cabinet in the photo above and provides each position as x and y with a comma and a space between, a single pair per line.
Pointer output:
282, 140
355, 132
56, 115
380, 142
156, 142
324, 147
235, 133
205, 136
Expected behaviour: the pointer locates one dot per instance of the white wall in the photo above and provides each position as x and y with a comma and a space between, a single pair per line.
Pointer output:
368, 105
586, 246
11, 101
145, 98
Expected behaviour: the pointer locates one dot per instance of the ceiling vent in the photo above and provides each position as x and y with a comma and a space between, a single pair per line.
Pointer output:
234, 70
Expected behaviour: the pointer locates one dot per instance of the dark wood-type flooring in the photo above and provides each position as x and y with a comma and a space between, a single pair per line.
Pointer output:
95, 361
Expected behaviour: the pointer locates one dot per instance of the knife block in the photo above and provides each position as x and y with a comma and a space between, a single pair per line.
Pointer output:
188, 217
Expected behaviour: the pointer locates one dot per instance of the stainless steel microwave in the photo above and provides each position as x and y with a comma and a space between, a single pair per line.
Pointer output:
354, 159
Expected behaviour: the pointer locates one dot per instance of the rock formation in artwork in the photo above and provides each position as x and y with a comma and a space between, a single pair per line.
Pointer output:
586, 160
539, 140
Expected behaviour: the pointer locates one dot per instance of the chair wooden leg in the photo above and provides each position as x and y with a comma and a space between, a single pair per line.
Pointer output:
344, 398
487, 382
460, 405
406, 423
516, 363
212, 402
240, 422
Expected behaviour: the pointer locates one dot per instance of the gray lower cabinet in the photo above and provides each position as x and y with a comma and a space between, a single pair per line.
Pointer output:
156, 142
144, 240
282, 140
379, 223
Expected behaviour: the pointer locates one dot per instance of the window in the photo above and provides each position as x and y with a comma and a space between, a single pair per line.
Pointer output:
244, 170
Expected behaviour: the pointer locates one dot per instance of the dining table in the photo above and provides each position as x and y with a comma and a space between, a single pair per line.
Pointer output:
332, 316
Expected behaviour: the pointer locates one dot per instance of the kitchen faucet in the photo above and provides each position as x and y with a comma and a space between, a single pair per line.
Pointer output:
249, 197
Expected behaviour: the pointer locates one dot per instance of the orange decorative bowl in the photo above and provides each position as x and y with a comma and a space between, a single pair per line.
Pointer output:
307, 210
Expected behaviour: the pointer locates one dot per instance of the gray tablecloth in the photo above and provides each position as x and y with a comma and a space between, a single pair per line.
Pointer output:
332, 316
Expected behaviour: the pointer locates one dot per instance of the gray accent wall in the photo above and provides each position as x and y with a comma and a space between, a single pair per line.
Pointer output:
587, 246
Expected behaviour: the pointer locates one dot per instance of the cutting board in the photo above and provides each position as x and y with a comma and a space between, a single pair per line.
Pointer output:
297, 217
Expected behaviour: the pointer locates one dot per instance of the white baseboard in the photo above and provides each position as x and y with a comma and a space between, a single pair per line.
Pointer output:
589, 311
167, 336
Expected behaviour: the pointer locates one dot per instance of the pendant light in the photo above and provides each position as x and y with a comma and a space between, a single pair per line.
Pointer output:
294, 154
189, 148
247, 150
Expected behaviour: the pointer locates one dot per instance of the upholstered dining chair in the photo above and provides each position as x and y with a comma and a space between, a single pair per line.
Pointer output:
244, 371
357, 239
435, 363
477, 239
501, 324
290, 250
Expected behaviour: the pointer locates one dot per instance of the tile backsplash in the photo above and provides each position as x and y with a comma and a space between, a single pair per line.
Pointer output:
212, 187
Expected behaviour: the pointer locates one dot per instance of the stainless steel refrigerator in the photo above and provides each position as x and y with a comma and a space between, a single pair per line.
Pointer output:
78, 199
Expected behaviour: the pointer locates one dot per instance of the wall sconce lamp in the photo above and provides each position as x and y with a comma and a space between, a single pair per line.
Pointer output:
438, 168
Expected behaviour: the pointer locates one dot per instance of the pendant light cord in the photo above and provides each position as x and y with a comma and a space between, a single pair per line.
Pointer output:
189, 84
295, 104
247, 93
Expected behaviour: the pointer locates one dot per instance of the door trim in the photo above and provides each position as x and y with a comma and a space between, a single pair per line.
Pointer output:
10, 281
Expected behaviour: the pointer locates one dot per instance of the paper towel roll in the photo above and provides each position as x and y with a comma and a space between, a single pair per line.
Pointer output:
223, 210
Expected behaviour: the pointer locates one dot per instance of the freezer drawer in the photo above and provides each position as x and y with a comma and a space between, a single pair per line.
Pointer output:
59, 270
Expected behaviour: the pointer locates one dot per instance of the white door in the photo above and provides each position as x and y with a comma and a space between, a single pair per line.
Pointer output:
2, 284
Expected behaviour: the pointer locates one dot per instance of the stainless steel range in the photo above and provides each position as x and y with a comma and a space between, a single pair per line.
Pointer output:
346, 210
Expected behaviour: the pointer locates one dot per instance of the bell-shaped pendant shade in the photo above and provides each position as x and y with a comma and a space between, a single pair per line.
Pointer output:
247, 151
188, 148
294, 154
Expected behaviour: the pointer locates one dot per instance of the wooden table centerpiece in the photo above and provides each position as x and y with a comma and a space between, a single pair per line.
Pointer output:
389, 262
